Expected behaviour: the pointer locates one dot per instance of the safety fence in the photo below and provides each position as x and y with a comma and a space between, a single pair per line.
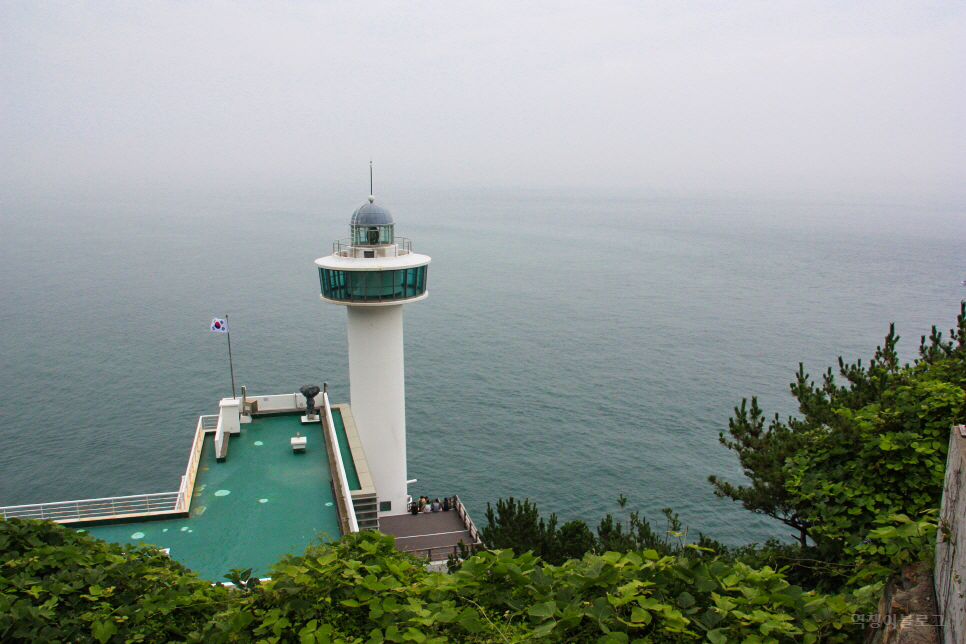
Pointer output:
122, 507
95, 509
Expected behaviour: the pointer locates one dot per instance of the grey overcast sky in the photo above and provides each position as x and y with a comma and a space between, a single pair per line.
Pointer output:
650, 95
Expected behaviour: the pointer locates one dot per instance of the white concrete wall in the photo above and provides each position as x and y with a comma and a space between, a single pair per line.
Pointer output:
219, 437
282, 402
950, 571
378, 397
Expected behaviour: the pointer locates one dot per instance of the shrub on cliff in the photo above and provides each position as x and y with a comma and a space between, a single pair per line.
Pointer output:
58, 585
861, 453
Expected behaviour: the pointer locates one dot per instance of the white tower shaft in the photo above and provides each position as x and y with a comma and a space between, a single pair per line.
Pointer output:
378, 397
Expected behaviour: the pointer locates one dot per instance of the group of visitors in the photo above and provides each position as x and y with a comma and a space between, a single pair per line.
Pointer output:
425, 505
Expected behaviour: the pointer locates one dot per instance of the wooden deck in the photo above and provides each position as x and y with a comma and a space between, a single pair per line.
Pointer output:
434, 534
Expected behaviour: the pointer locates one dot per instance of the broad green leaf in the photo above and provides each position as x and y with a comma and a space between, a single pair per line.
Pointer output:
704, 585
600, 609
718, 636
103, 630
470, 620
544, 629
725, 604
640, 615
543, 610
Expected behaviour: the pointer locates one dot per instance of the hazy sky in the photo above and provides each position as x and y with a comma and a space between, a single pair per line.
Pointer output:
675, 95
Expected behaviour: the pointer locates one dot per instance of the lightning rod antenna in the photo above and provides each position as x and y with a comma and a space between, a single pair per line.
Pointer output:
370, 177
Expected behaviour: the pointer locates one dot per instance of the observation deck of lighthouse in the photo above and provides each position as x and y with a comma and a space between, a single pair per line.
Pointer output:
258, 484
265, 477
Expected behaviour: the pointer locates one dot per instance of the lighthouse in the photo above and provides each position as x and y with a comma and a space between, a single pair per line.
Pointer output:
373, 274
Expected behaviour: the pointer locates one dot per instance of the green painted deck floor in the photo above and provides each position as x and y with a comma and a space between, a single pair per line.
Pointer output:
262, 502
352, 476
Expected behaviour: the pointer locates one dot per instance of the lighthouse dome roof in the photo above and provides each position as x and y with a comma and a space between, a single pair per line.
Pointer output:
371, 214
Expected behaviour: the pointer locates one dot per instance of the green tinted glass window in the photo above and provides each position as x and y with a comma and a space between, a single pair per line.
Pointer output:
372, 286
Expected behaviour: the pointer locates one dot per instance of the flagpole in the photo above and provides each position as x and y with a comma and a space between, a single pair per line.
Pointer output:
230, 363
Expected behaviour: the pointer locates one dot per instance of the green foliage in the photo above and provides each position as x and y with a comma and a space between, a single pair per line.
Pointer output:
808, 567
673, 540
897, 542
574, 540
518, 525
57, 585
243, 579
884, 459
362, 589
861, 453
762, 452
637, 595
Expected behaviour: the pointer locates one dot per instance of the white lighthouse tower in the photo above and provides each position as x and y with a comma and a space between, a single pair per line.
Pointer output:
373, 273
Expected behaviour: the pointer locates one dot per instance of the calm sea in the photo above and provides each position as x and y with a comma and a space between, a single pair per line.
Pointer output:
573, 347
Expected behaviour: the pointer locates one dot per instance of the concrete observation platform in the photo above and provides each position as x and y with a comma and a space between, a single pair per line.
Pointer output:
262, 501
255, 499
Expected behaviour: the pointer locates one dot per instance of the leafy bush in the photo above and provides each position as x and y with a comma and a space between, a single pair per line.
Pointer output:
517, 525
861, 453
57, 585
362, 589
